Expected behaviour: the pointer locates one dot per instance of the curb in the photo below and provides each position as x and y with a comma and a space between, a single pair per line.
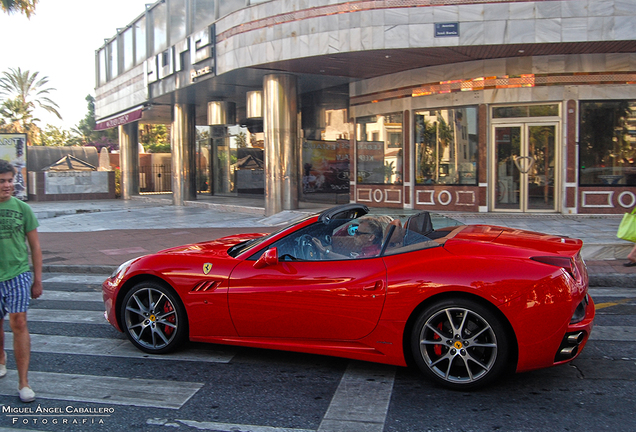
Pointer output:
90, 269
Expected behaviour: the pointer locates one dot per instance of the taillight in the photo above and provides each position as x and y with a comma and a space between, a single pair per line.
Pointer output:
566, 263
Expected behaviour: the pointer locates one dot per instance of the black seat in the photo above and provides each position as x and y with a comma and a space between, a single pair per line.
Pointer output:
417, 228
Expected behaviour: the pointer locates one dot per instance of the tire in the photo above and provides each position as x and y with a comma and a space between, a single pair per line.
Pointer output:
154, 318
460, 344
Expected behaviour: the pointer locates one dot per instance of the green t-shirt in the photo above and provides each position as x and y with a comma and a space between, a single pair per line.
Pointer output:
16, 220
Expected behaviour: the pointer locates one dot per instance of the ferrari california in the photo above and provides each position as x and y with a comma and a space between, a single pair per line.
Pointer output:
465, 303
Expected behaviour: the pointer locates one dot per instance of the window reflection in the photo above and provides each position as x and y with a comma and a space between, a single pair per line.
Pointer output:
159, 25
446, 146
177, 20
379, 149
608, 143
128, 48
140, 40
203, 13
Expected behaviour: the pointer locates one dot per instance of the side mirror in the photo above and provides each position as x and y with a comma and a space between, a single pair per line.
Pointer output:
269, 258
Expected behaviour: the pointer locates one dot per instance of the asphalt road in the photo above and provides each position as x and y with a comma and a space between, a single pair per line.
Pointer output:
88, 377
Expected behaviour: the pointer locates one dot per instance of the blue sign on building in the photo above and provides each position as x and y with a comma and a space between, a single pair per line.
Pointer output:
446, 29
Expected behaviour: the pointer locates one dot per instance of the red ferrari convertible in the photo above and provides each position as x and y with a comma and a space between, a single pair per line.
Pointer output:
465, 303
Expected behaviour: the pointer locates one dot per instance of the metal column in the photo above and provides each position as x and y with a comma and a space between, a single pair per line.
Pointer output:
183, 142
280, 127
129, 159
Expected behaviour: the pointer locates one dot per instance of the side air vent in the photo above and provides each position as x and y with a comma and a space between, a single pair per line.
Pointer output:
206, 286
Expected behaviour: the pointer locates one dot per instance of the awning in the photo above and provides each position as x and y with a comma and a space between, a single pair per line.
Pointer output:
119, 119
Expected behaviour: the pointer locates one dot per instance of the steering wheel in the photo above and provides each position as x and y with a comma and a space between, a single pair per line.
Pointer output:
308, 250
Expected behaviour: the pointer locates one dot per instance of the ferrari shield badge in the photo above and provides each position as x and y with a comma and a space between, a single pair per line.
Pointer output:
206, 268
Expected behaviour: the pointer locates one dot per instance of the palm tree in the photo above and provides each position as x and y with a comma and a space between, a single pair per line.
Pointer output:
23, 92
26, 7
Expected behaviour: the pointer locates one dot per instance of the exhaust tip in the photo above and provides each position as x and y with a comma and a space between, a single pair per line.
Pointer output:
576, 338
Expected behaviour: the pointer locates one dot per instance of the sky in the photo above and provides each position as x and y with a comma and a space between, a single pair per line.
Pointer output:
59, 42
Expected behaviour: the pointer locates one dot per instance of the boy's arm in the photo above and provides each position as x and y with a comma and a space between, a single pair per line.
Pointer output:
36, 258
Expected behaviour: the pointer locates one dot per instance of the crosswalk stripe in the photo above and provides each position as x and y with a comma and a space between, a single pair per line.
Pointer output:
84, 296
74, 278
614, 333
66, 316
229, 427
104, 389
361, 401
115, 348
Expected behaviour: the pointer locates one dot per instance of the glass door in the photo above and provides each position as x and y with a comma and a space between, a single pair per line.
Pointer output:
524, 167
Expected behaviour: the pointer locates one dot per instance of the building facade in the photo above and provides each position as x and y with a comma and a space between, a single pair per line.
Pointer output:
456, 105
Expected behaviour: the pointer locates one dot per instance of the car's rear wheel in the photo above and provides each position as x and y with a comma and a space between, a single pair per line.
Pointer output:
460, 344
154, 318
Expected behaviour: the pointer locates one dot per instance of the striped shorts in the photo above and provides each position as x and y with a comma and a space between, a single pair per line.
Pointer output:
15, 294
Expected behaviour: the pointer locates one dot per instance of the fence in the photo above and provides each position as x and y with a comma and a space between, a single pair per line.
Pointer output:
155, 178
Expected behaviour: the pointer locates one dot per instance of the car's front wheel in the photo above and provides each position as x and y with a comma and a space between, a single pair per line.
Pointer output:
460, 344
154, 318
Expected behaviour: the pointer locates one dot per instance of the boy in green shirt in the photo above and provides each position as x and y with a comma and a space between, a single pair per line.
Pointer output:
17, 283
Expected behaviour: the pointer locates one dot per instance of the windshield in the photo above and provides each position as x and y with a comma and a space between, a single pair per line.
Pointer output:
239, 248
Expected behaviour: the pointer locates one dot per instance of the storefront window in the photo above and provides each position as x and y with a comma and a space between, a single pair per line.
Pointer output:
446, 146
379, 149
607, 143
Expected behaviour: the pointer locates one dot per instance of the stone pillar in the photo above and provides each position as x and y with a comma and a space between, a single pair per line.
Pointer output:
183, 143
129, 159
280, 127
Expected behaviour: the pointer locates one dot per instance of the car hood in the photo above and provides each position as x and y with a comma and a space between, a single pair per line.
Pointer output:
218, 247
511, 238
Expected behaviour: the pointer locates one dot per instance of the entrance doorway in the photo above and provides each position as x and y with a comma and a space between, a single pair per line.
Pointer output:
525, 167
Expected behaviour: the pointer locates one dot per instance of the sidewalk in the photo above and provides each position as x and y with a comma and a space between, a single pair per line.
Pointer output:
97, 236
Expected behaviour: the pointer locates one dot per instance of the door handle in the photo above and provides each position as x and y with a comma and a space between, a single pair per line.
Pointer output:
377, 286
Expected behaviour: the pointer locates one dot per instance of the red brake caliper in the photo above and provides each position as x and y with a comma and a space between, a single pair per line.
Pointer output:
167, 307
438, 348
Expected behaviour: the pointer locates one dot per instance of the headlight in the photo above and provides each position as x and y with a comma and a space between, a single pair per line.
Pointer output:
122, 267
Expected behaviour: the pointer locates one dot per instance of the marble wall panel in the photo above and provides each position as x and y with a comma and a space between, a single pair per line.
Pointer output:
549, 9
396, 17
396, 36
593, 62
520, 31
521, 11
625, 28
574, 29
446, 14
617, 62
366, 38
578, 8
471, 13
355, 39
496, 11
378, 37
600, 8
472, 33
421, 16
495, 32
625, 7
548, 30
421, 35
600, 28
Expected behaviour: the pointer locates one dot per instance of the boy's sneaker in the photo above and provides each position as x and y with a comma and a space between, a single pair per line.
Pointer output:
3, 370
26, 394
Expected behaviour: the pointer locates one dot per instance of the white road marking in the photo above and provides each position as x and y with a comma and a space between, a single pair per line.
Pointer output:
84, 296
362, 399
115, 348
613, 333
612, 292
229, 427
104, 389
74, 278
66, 316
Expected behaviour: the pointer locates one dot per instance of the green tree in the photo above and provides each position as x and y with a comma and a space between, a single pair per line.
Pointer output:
55, 137
27, 7
154, 138
28, 92
84, 134
16, 117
